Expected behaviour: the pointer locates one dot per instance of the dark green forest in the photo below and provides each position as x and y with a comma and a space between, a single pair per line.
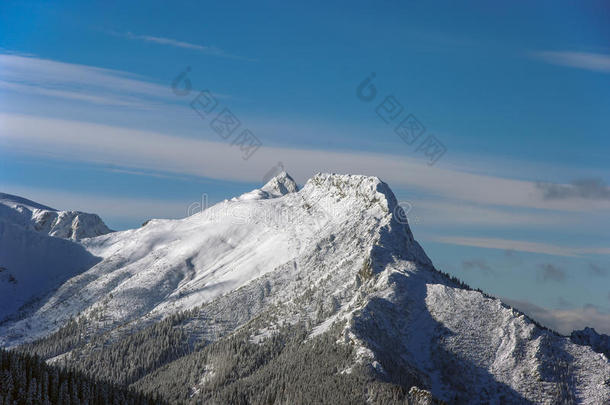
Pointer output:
26, 379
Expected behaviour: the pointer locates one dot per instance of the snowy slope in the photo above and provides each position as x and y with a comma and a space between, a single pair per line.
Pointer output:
335, 251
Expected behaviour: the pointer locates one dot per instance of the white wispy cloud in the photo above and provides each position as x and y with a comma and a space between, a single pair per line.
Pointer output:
138, 149
469, 198
582, 60
522, 246
81, 83
46, 77
460, 213
210, 50
85, 96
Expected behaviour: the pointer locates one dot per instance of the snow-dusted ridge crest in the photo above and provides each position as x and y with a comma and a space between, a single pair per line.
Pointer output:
278, 186
172, 265
40, 218
333, 252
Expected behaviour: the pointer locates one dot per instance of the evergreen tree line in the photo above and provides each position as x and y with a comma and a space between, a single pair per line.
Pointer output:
28, 380
123, 360
132, 357
63, 340
286, 368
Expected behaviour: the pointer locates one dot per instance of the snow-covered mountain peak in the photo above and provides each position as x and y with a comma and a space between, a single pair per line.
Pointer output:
33, 216
368, 189
345, 198
277, 186
348, 184
280, 185
336, 257
20, 203
194, 260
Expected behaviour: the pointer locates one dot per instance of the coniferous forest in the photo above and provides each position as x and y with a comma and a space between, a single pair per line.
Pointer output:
26, 379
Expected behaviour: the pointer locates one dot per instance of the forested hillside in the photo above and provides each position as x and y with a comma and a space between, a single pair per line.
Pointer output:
26, 379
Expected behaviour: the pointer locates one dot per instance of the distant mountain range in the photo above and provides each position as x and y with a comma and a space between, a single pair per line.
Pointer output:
280, 295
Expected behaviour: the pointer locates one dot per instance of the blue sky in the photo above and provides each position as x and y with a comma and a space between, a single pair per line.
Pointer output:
518, 94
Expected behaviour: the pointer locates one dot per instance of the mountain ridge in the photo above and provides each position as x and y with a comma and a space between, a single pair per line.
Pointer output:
41, 218
336, 260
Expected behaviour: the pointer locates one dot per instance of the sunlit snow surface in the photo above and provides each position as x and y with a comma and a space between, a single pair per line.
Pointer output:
333, 251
